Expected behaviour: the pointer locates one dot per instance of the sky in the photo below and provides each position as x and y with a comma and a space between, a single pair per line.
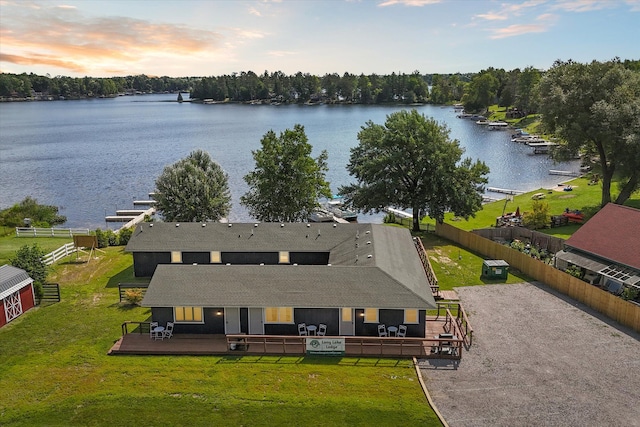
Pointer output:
106, 38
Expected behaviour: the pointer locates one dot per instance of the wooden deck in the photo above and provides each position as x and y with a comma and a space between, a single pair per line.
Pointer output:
202, 344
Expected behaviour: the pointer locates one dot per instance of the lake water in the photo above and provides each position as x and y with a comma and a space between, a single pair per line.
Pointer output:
92, 157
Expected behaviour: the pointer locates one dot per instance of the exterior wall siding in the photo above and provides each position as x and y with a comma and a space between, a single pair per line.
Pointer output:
3, 317
27, 298
213, 323
145, 263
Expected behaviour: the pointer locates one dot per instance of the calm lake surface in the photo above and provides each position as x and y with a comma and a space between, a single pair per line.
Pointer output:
92, 157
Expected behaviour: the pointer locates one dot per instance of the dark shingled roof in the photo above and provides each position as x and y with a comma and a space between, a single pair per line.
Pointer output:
11, 279
612, 234
302, 286
371, 265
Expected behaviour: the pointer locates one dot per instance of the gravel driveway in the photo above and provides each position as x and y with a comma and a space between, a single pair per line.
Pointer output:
538, 359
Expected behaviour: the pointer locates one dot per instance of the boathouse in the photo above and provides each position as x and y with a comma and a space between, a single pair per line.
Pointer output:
268, 278
16, 293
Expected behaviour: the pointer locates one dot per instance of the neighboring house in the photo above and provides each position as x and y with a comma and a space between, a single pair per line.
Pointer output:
266, 278
607, 248
16, 293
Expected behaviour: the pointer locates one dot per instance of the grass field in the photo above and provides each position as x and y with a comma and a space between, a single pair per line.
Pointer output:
54, 371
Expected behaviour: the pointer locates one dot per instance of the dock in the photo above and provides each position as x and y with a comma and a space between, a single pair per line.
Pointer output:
397, 212
144, 202
564, 173
504, 190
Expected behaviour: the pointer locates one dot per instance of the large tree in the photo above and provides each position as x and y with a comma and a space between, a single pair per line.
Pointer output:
595, 108
193, 189
30, 259
410, 162
287, 182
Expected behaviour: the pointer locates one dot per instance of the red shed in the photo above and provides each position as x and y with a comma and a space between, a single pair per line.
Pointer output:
16, 293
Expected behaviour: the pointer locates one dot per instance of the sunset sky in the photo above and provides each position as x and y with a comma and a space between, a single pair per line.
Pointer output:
214, 37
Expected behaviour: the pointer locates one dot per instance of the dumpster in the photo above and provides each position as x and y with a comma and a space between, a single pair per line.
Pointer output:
495, 269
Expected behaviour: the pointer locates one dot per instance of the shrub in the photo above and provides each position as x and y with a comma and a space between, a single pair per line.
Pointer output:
630, 294
389, 218
125, 236
133, 296
103, 239
574, 270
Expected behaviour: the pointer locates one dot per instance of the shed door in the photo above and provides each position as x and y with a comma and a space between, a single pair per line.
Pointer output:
232, 320
256, 327
13, 306
347, 321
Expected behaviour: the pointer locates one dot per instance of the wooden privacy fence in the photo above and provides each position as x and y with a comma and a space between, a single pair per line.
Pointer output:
59, 253
623, 312
539, 240
50, 232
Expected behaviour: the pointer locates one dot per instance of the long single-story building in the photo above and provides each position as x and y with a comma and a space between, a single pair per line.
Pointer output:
267, 278
16, 293
607, 248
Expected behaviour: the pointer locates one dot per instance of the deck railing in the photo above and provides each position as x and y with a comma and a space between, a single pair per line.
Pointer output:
460, 320
138, 327
428, 269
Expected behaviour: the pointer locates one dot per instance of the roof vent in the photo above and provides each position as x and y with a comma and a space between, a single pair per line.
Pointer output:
357, 234
368, 242
295, 263
178, 225
228, 263
229, 225
335, 225
204, 224
255, 225
262, 263
195, 263
369, 256
281, 225
318, 231
368, 231
150, 224
308, 225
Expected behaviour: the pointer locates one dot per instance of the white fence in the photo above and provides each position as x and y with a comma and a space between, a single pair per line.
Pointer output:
51, 232
59, 253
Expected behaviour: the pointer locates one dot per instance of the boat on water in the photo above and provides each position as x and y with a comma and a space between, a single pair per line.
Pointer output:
321, 215
482, 122
497, 125
337, 208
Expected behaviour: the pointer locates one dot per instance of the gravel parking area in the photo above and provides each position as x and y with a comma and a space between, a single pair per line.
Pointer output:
538, 359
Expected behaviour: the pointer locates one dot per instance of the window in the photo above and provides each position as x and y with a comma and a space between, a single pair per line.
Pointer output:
284, 257
215, 257
346, 314
279, 315
188, 314
411, 315
176, 257
370, 315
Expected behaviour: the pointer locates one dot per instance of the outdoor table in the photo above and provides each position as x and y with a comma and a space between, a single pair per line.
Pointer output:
312, 329
392, 330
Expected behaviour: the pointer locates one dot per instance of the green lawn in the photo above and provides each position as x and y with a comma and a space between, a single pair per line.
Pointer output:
54, 370
9, 244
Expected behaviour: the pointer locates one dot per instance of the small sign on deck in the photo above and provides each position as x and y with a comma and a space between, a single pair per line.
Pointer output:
325, 346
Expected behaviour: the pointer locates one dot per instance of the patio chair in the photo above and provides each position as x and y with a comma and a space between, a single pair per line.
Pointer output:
322, 329
168, 331
152, 333
302, 329
402, 331
382, 331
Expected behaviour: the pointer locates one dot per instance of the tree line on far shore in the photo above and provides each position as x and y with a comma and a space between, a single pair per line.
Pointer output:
516, 88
